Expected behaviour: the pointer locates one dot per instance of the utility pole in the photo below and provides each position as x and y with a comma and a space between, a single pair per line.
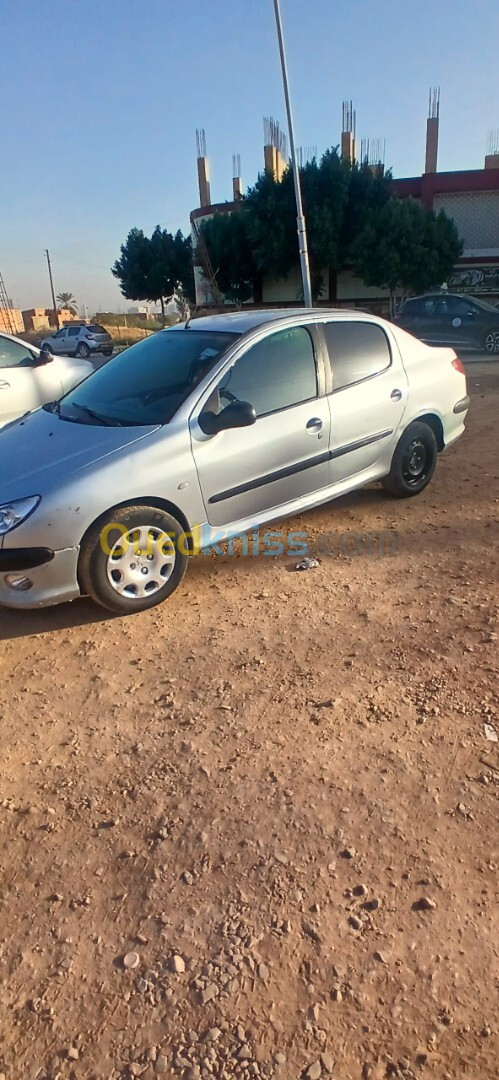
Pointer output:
300, 220
56, 313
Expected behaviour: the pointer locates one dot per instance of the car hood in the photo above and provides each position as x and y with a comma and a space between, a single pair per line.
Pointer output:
41, 449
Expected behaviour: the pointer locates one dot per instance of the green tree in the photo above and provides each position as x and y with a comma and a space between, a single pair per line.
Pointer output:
227, 241
67, 300
405, 248
151, 268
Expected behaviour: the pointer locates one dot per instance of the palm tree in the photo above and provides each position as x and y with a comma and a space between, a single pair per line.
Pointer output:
67, 300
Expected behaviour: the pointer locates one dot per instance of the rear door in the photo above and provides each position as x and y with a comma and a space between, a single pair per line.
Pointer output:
72, 335
284, 455
368, 398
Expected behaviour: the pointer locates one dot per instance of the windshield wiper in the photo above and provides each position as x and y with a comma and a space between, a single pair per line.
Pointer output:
96, 416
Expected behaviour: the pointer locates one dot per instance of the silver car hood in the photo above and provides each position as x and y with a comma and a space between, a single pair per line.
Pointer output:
41, 450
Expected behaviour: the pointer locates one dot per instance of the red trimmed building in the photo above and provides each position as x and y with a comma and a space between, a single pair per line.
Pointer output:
470, 198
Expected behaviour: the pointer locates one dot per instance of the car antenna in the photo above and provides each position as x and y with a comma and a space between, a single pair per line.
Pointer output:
188, 323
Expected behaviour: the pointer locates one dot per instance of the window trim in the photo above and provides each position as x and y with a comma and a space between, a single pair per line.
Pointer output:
320, 368
19, 363
367, 378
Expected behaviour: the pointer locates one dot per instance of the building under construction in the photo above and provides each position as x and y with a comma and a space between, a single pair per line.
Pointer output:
470, 198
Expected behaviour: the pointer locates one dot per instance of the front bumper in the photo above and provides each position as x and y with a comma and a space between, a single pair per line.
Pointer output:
53, 582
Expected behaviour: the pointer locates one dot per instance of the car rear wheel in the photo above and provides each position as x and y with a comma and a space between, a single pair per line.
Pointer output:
413, 462
133, 559
83, 351
47, 350
491, 342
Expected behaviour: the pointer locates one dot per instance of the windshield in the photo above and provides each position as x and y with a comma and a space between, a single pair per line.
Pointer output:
146, 384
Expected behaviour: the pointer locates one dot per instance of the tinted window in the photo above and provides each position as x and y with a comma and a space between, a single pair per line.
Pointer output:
412, 308
74, 331
12, 354
94, 328
277, 372
146, 384
356, 350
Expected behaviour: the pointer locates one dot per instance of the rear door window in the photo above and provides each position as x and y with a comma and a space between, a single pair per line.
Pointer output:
357, 351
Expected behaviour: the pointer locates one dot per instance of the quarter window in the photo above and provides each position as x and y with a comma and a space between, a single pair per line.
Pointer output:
277, 372
357, 351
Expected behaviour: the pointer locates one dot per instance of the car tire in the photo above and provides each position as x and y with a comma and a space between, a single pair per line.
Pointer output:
490, 344
47, 349
107, 352
413, 462
83, 351
113, 572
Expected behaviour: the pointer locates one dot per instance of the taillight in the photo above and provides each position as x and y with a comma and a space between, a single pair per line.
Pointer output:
91, 336
459, 366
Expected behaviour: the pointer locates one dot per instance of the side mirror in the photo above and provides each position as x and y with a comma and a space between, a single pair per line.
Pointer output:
45, 357
236, 415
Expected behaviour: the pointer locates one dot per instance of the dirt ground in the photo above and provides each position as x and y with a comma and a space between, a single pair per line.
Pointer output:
277, 797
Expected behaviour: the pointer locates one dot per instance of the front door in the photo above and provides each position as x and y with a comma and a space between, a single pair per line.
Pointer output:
368, 399
24, 385
284, 455
59, 342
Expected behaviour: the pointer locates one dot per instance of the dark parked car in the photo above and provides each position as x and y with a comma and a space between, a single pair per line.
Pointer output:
451, 319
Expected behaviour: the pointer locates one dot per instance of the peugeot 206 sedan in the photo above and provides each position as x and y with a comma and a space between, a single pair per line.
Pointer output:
208, 430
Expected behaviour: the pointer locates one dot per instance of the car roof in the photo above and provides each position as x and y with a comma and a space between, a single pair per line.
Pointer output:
240, 322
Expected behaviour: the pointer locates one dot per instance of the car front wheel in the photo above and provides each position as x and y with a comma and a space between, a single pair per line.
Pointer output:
132, 559
491, 342
413, 462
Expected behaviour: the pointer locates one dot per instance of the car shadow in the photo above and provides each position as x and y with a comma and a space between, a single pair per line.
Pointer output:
31, 622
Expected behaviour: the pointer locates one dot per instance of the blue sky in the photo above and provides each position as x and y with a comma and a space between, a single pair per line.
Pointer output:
101, 99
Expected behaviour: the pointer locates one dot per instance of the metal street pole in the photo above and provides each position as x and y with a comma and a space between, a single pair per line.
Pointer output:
56, 313
300, 220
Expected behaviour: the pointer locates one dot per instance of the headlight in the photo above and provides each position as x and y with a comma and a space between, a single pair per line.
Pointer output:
12, 514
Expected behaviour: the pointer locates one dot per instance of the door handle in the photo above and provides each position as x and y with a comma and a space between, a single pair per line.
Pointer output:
4, 385
314, 425
396, 395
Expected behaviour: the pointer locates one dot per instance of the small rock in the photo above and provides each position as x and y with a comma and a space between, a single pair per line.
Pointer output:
141, 986
244, 1054
280, 1059
72, 1053
425, 903
187, 878
56, 898
485, 1032
314, 1071
263, 972
360, 890
178, 965
161, 1064
348, 853
213, 1035
327, 1061
209, 992
337, 995
355, 923
380, 957
194, 1073
131, 960
372, 905
490, 733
